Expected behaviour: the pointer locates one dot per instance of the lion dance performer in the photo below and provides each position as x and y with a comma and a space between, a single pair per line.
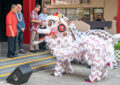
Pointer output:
95, 47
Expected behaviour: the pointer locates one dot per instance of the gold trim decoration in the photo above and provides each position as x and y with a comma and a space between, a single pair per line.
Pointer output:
64, 2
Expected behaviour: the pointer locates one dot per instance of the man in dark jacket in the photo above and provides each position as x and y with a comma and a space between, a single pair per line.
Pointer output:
100, 18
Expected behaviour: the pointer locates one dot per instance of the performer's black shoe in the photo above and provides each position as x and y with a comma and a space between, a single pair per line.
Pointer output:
89, 66
44, 48
52, 74
80, 63
33, 51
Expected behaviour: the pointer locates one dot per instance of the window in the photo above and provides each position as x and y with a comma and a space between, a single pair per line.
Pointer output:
83, 12
73, 13
84, 1
47, 2
97, 11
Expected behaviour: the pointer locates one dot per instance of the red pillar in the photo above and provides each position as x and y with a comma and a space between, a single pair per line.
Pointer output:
118, 17
28, 6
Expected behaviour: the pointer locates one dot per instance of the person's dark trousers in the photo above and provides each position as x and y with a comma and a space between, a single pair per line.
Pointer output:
42, 45
11, 46
102, 28
20, 40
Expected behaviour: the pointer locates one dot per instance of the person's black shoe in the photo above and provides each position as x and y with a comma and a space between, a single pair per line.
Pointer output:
43, 49
16, 55
22, 51
38, 51
33, 51
10, 56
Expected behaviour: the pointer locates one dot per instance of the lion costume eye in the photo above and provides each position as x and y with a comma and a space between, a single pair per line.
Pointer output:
61, 28
51, 23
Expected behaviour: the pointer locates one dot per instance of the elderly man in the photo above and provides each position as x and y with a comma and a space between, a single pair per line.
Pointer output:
42, 18
43, 15
11, 31
20, 27
34, 25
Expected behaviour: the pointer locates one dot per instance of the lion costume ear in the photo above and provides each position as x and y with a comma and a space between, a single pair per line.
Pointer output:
61, 28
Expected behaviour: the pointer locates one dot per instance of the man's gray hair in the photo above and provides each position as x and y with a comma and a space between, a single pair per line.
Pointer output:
19, 5
13, 6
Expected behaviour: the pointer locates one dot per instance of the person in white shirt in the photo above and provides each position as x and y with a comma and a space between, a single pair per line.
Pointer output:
42, 18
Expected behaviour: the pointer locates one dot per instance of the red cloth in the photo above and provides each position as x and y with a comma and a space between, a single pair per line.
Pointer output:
55, 14
51, 33
11, 20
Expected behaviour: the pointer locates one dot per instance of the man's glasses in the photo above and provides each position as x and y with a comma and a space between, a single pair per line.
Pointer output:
19, 8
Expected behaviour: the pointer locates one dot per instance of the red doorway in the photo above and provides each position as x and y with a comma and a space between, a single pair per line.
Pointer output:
28, 6
118, 17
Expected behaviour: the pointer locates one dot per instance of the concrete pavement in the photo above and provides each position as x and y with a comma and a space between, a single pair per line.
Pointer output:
76, 78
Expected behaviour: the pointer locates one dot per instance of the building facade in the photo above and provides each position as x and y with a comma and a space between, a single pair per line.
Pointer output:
73, 9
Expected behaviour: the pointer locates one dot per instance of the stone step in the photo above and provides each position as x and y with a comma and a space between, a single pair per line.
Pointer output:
39, 61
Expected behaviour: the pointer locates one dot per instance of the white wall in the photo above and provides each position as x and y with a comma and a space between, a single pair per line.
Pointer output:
110, 11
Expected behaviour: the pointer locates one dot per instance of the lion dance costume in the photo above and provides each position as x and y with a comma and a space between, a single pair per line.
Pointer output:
95, 47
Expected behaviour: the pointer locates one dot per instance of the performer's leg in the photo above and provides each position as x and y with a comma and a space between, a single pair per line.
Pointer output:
93, 75
58, 68
104, 73
95, 71
97, 74
68, 67
42, 45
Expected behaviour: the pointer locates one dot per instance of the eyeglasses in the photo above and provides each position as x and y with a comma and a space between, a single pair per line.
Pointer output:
20, 8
